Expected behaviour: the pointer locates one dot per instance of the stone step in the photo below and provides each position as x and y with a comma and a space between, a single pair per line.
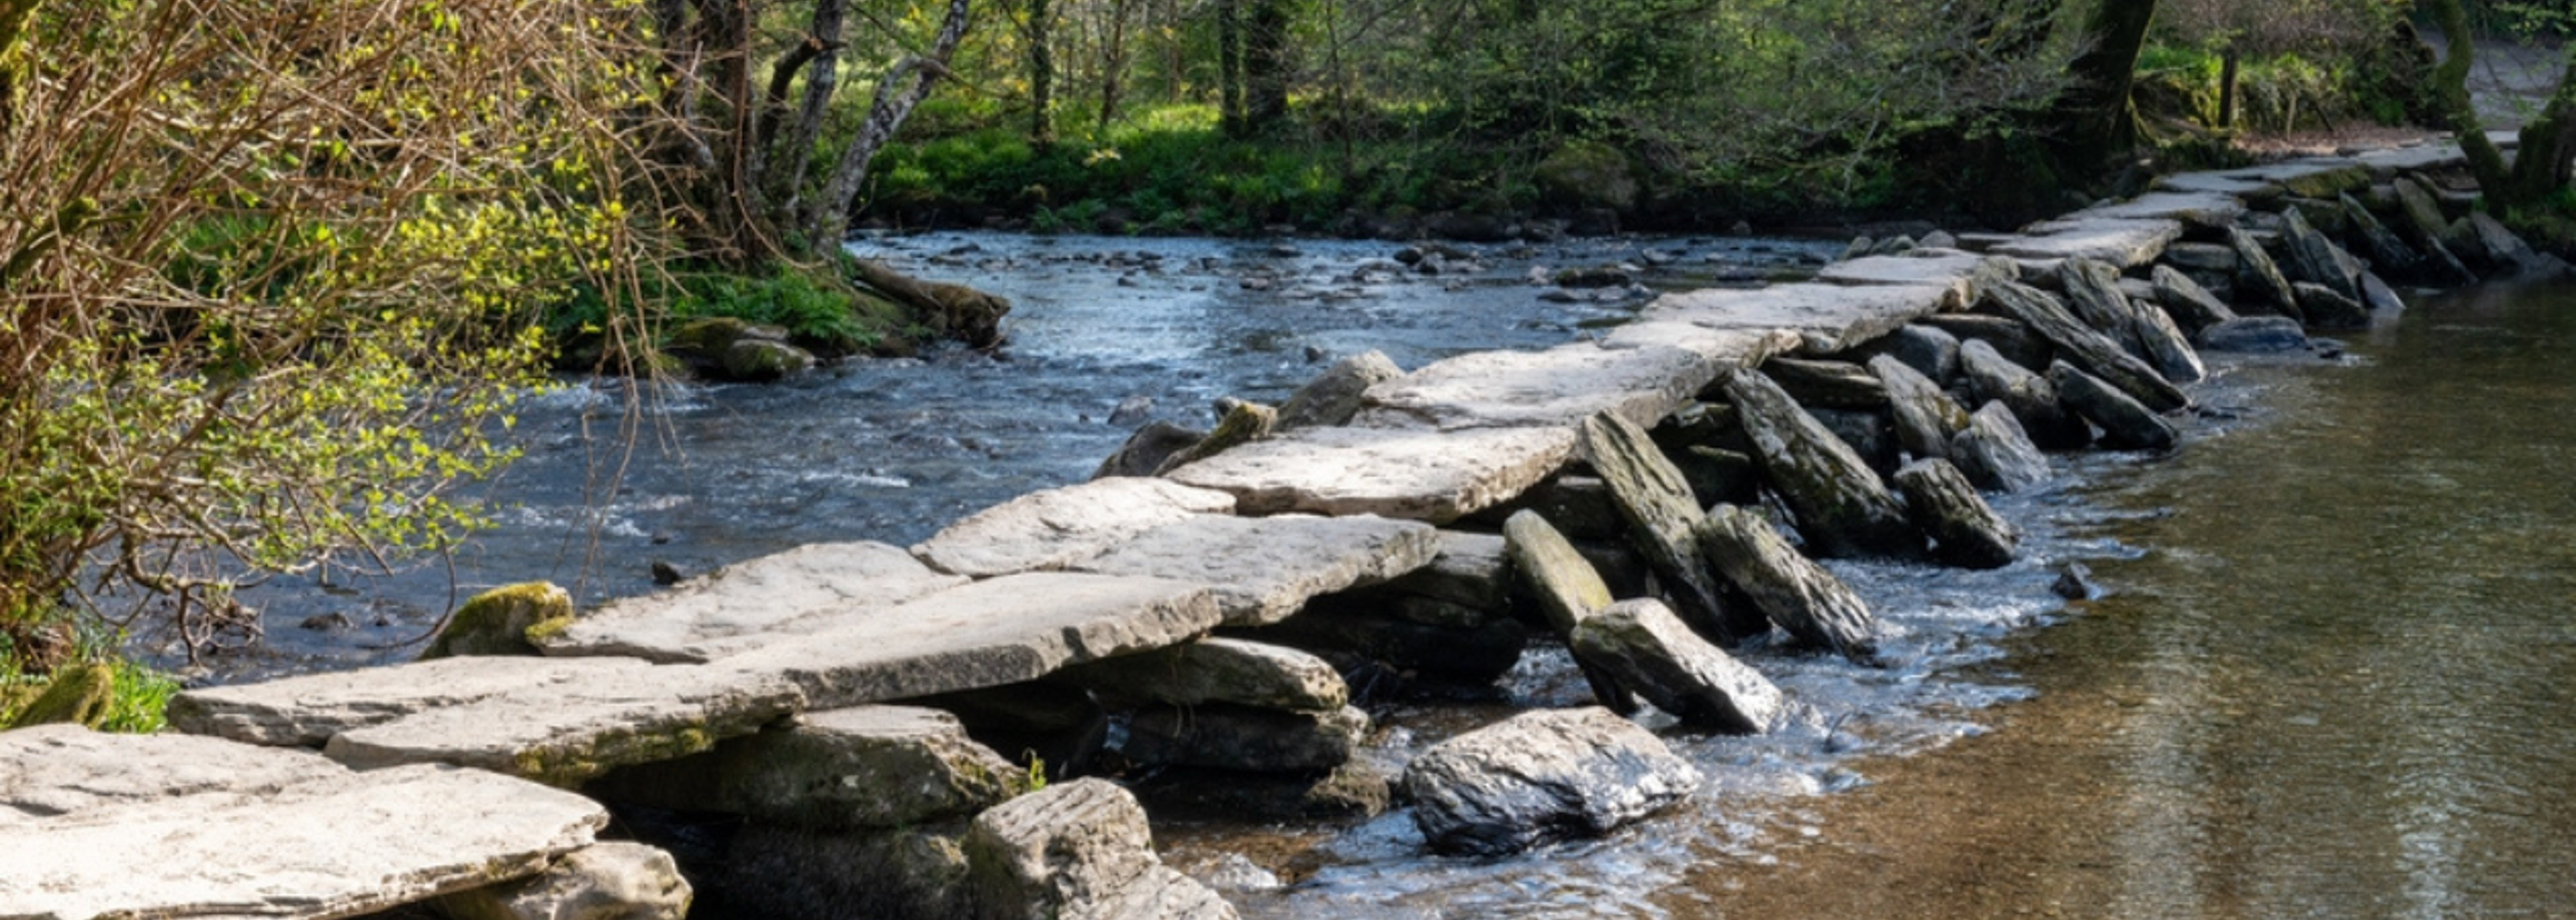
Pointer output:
1416, 475
306, 711
1953, 270
1265, 569
1046, 530
1829, 317
2124, 243
2200, 208
174, 826
743, 606
1553, 388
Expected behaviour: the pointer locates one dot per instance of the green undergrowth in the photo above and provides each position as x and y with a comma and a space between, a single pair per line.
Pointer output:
821, 311
2275, 94
134, 702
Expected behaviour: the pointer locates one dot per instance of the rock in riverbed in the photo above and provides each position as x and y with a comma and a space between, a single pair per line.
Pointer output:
1540, 776
1795, 593
1649, 650
1965, 531
1842, 508
2126, 425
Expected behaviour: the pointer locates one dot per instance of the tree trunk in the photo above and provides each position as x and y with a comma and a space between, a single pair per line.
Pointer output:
820, 56
739, 212
1229, 66
1265, 65
2095, 112
827, 217
1113, 62
2227, 88
1041, 74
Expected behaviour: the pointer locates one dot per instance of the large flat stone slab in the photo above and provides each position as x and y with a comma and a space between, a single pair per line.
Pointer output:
1724, 349
1418, 475
50, 771
1265, 569
742, 606
306, 711
568, 733
1951, 269
2205, 208
1046, 530
327, 847
863, 767
1828, 317
2220, 182
1552, 388
992, 633
2125, 243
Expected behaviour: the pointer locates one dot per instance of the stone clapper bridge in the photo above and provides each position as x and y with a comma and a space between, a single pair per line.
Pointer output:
770, 689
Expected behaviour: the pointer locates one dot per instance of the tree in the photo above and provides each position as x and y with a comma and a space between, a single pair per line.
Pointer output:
2095, 120
269, 276
2541, 165
2237, 30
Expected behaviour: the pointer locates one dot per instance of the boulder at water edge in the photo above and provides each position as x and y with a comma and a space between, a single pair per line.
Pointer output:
1334, 396
1996, 454
2191, 306
497, 622
1656, 501
2259, 279
2255, 335
1795, 593
2032, 399
1926, 417
2330, 309
1541, 776
1966, 532
1147, 450
1077, 850
2126, 425
1568, 591
1842, 508
2165, 347
1648, 649
616, 880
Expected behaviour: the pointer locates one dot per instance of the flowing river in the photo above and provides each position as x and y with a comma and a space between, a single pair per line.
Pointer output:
2332, 675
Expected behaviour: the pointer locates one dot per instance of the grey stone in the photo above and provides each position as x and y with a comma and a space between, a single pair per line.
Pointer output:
1648, 649
307, 710
1955, 272
1375, 647
2121, 242
2086, 349
1216, 670
1333, 397
1417, 475
2191, 306
1800, 596
2205, 210
1048, 529
1995, 453
1555, 387
2031, 398
1870, 434
1720, 475
1842, 508
49, 771
841, 769
1147, 450
760, 360
2255, 335
1927, 349
1568, 590
1659, 508
2006, 336
565, 734
1263, 569
1926, 417
2093, 294
1077, 851
2379, 297
1833, 317
1579, 506
2330, 309
2420, 222
2388, 253
991, 633
1965, 530
1539, 776
2167, 349
497, 622
1470, 570
752, 603
2501, 247
1827, 384
2259, 279
2202, 257
798, 874
616, 880
2126, 424
1238, 423
1232, 737
2314, 259
338, 846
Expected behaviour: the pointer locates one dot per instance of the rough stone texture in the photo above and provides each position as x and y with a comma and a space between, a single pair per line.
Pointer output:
1333, 397
1578, 506
1872, 435
2210, 182
1264, 569
2167, 349
2255, 335
2314, 259
1046, 530
2258, 278
1376, 647
752, 603
307, 710
325, 847
1241, 423
2086, 349
1827, 384
2192, 307
2121, 242
2420, 222
1147, 450
1965, 531
783, 873
992, 633
2504, 252
2032, 399
1216, 670
1722, 348
1568, 591
1037, 721
2315, 177
1649, 650
1926, 417
1810, 603
2202, 257
1539, 776
1359, 789
1077, 851
497, 622
1418, 475
49, 771
567, 733
2379, 297
2126, 424
1954, 271
1471, 570
79, 693
1997, 454
1929, 350
2093, 294
2209, 209
617, 880
1556, 387
1832, 317
1842, 508
2005, 335
2330, 309
1232, 737
1656, 501
2388, 253
841, 769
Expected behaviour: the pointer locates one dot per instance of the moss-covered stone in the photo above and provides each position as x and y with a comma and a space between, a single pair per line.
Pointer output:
79, 693
1244, 423
1587, 174
503, 621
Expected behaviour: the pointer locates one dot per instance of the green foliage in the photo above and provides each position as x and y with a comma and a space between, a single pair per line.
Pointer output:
817, 313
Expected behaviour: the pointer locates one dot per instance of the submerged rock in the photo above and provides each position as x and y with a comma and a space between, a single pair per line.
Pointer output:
1799, 595
1995, 454
1148, 449
2255, 335
1966, 532
1648, 649
2126, 425
1540, 776
1076, 850
2032, 399
1842, 508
